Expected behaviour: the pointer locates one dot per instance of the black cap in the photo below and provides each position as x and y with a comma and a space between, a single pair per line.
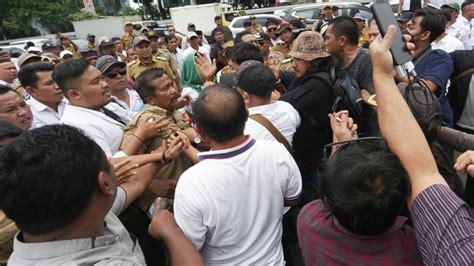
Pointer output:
255, 78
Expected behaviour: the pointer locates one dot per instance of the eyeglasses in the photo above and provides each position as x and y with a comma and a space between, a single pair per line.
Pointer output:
113, 74
271, 29
340, 145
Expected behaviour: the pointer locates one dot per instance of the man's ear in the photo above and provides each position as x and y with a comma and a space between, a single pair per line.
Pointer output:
73, 94
246, 97
31, 90
149, 100
202, 134
426, 35
342, 40
107, 186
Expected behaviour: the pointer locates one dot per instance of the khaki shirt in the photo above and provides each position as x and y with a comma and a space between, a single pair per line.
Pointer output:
173, 169
364, 36
136, 67
127, 40
282, 48
163, 53
8, 230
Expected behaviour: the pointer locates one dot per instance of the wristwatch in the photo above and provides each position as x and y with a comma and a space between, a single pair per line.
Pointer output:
197, 139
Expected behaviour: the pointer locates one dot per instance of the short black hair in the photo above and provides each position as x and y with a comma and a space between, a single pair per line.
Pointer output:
48, 177
334, 8
365, 186
4, 60
27, 74
238, 36
217, 18
433, 21
347, 27
169, 37
221, 113
465, 4
4, 89
144, 84
245, 51
68, 71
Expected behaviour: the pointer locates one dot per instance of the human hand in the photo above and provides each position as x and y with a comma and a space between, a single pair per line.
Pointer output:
163, 188
170, 151
204, 67
207, 84
151, 128
125, 169
275, 65
465, 163
162, 222
343, 126
380, 55
182, 102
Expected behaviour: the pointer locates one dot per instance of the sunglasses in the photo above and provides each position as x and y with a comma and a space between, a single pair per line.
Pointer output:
113, 74
271, 29
341, 145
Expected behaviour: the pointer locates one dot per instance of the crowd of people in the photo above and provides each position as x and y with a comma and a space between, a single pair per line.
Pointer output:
151, 148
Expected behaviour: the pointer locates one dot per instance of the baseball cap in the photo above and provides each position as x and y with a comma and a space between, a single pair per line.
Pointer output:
454, 6
271, 22
105, 43
255, 78
309, 46
253, 17
139, 39
33, 49
90, 35
65, 52
88, 53
247, 22
190, 24
127, 23
327, 7
49, 57
151, 34
191, 34
282, 27
405, 17
106, 61
25, 57
262, 37
359, 16
50, 44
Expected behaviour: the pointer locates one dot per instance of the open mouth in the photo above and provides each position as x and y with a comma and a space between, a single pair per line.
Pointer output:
25, 120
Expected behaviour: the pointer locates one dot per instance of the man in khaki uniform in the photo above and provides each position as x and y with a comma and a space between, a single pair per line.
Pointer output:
159, 52
127, 38
286, 35
161, 101
146, 60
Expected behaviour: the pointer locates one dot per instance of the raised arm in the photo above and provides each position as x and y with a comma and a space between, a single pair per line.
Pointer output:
397, 124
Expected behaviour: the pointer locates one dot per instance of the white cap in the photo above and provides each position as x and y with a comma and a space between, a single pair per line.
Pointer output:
359, 16
33, 49
191, 34
65, 52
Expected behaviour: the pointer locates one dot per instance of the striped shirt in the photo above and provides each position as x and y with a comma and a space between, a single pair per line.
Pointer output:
444, 227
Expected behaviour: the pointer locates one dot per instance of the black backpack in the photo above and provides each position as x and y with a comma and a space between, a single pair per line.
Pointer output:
346, 92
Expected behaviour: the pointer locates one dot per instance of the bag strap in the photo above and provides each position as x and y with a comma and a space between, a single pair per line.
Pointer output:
417, 59
464, 73
270, 127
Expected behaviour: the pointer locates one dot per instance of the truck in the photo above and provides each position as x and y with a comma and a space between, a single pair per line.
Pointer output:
201, 15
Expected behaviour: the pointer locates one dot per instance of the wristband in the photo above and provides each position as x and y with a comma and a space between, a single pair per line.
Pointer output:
140, 139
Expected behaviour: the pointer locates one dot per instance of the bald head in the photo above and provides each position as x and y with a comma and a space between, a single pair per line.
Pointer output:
221, 113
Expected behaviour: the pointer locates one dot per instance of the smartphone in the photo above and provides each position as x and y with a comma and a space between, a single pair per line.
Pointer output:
383, 15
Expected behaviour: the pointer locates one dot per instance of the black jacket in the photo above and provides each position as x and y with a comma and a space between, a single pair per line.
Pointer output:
462, 60
313, 99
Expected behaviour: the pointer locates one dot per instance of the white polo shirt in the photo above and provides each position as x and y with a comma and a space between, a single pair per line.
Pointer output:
136, 103
105, 131
230, 204
115, 247
282, 115
43, 115
462, 30
448, 44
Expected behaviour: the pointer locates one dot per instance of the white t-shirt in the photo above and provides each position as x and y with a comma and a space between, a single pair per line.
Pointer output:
230, 204
115, 247
281, 114
43, 115
105, 131
136, 103
462, 29
448, 44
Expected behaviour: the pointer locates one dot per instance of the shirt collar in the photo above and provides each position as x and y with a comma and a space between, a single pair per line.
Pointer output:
259, 109
228, 153
399, 222
41, 106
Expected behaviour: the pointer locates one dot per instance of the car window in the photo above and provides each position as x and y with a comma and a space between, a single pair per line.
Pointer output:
15, 52
308, 13
239, 23
263, 20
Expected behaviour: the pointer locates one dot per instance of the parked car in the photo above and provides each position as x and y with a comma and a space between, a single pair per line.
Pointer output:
14, 50
311, 11
237, 24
